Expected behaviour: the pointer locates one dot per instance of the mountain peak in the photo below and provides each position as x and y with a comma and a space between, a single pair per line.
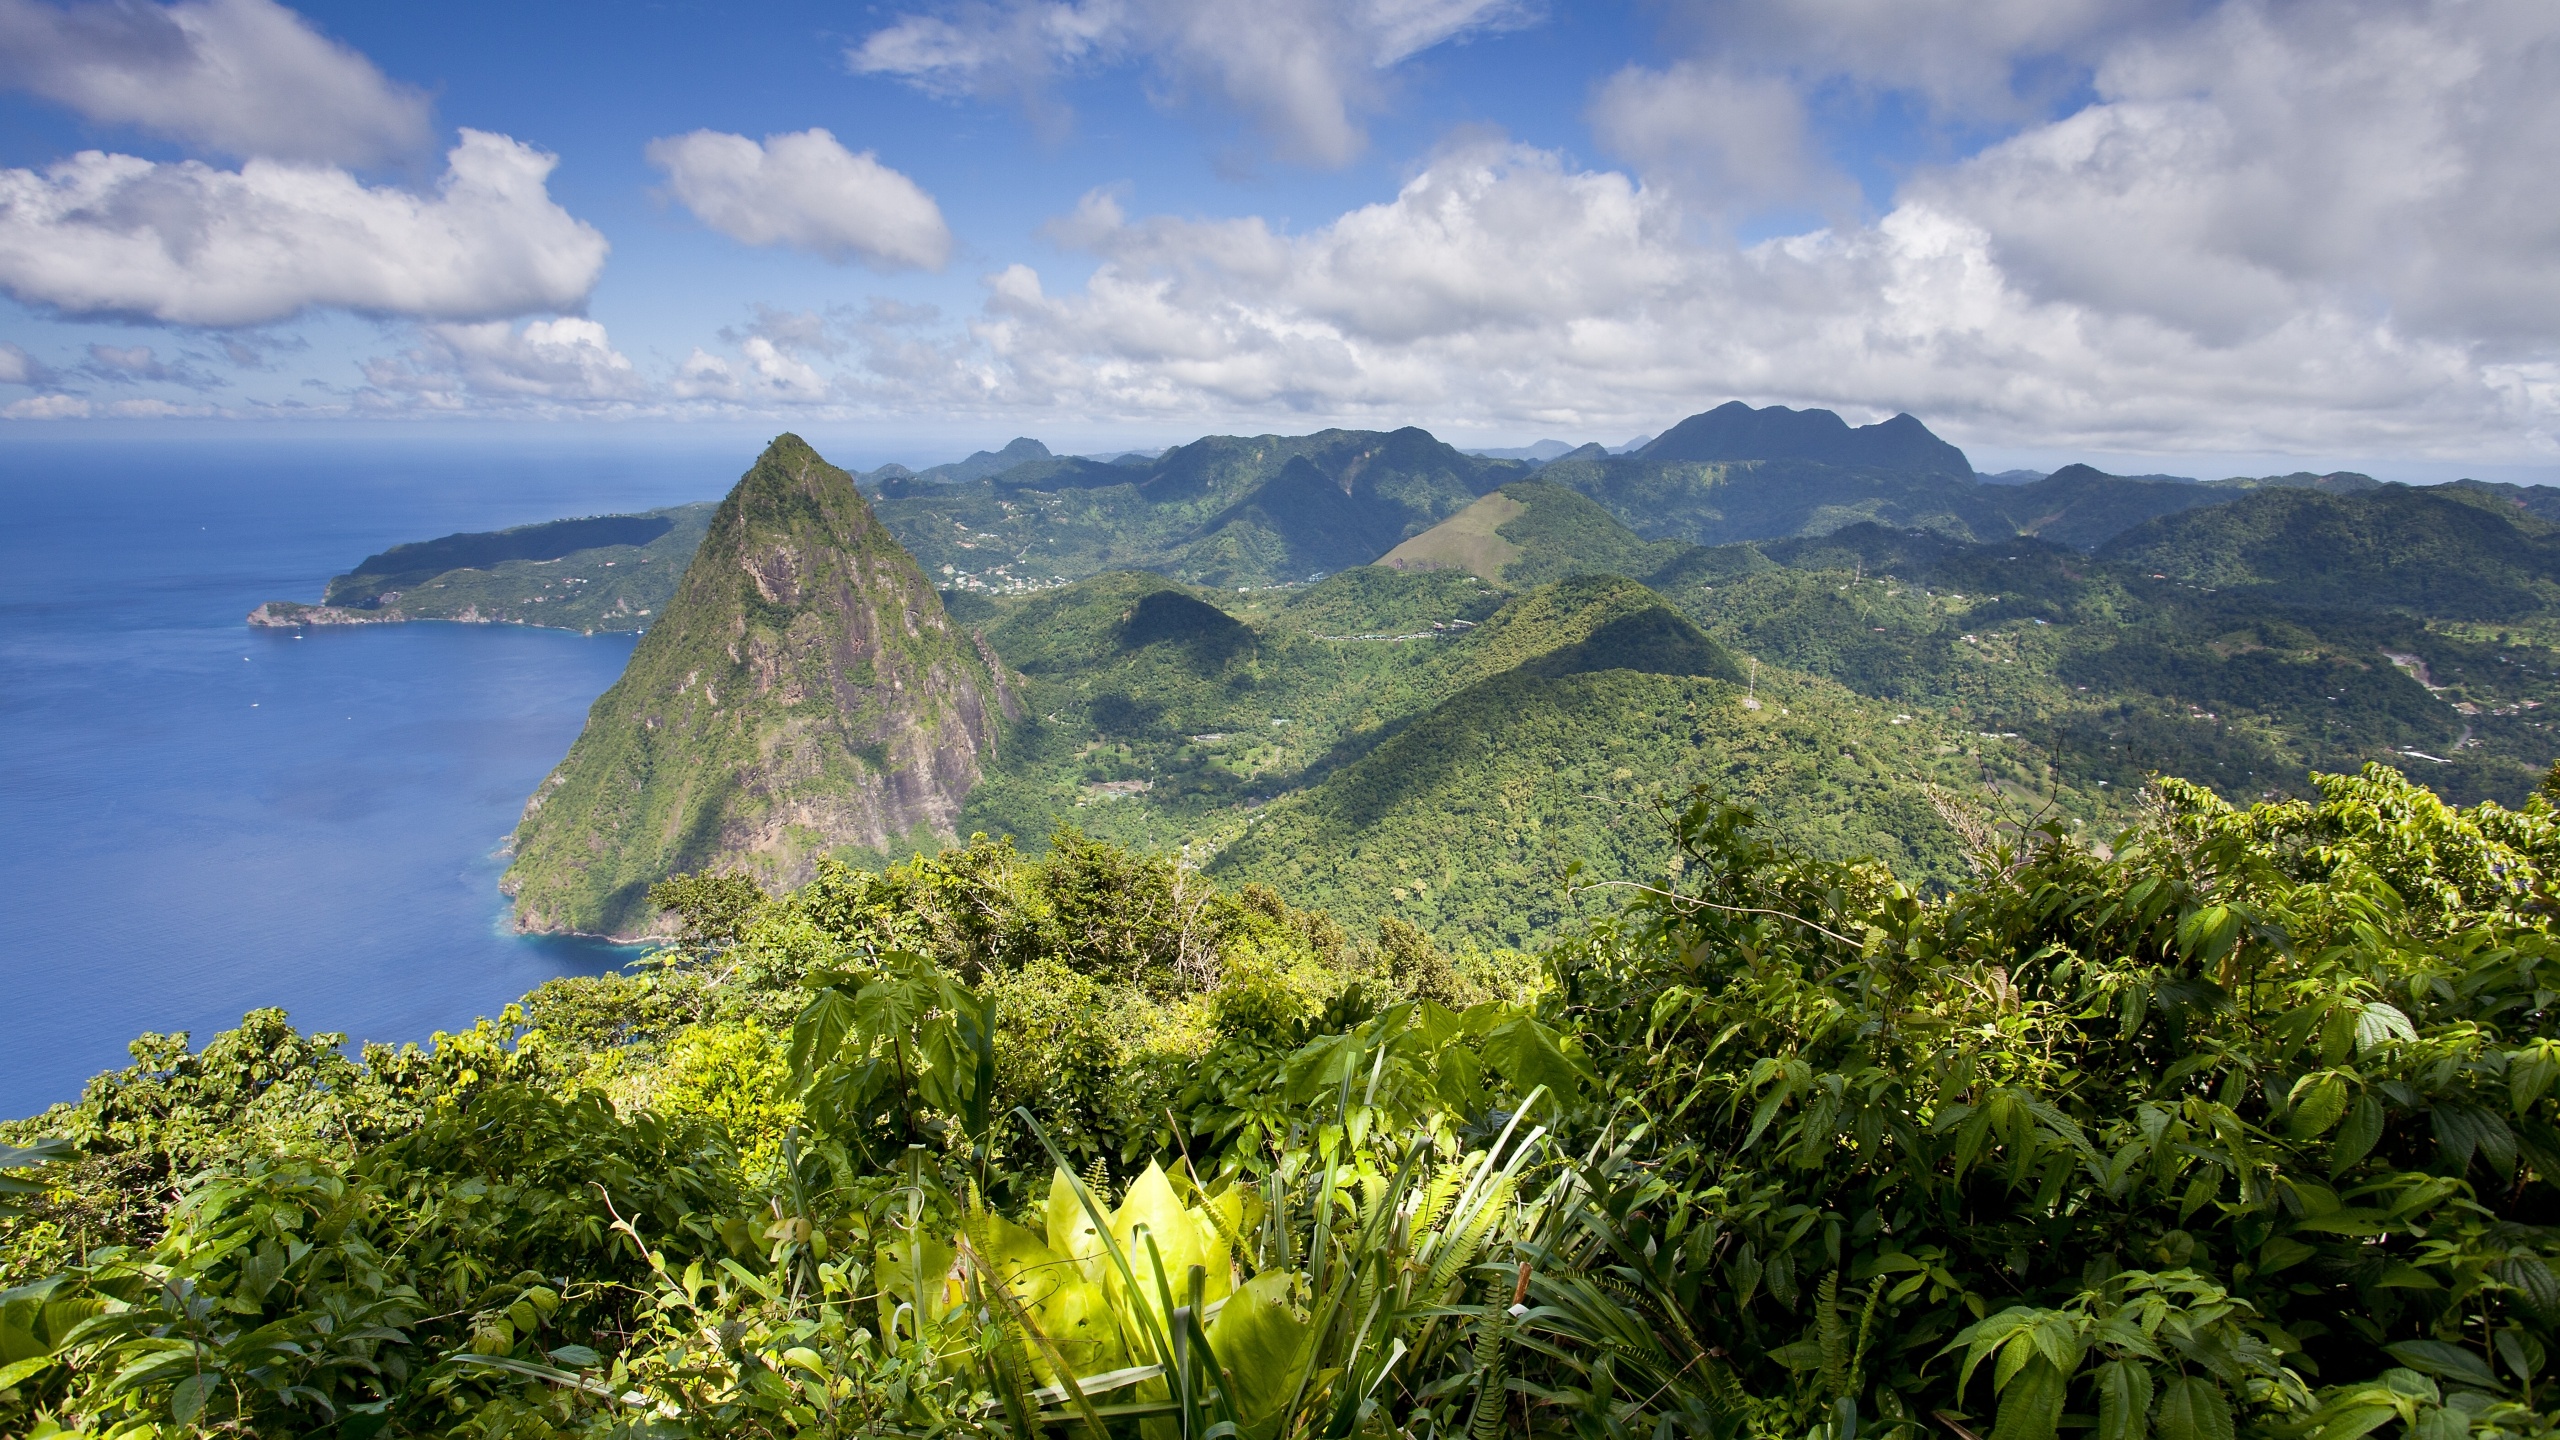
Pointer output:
1736, 431
804, 693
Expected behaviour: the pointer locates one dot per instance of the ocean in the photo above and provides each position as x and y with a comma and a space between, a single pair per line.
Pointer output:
198, 818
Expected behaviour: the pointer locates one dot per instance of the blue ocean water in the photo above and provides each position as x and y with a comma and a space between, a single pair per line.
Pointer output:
197, 818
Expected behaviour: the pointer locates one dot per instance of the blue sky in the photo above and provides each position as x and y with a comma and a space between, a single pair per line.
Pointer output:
2194, 237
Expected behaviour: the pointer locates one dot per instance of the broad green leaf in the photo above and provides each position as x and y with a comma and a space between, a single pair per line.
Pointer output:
1151, 1211
1529, 1055
2031, 1405
1072, 1234
819, 1031
1077, 1317
2318, 1102
2445, 1362
2124, 1400
2358, 1136
2378, 1024
2193, 1409
188, 1396
2535, 1286
1262, 1338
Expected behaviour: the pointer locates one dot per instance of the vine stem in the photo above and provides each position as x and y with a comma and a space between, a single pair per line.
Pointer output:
1712, 905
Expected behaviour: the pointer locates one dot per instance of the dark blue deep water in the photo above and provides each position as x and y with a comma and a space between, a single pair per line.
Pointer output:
197, 818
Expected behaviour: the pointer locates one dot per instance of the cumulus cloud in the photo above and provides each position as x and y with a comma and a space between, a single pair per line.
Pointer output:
1301, 71
566, 363
774, 366
795, 332
2271, 228
47, 407
807, 192
1972, 58
187, 244
767, 374
1503, 285
2387, 157
1730, 141
17, 367
244, 77
141, 364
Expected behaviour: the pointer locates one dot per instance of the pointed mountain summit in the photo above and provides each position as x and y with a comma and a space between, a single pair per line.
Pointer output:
804, 693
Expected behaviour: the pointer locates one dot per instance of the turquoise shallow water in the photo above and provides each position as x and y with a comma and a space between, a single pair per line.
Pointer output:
197, 818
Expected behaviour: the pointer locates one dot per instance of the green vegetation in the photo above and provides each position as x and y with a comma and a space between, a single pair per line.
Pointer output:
2449, 553
802, 695
1391, 743
1530, 532
607, 572
1222, 511
2243, 675
2242, 632
2242, 1125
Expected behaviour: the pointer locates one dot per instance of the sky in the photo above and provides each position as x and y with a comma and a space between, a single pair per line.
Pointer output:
2194, 237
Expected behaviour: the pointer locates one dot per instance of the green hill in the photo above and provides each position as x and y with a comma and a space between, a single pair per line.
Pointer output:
1223, 510
804, 694
1157, 717
603, 572
2441, 552
2125, 671
1530, 532
1466, 821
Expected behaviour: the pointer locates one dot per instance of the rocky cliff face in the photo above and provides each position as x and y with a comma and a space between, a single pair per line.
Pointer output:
803, 694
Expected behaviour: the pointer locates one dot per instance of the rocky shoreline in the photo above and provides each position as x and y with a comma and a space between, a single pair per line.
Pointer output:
293, 615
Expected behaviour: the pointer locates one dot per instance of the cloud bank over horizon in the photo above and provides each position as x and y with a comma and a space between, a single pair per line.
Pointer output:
2245, 227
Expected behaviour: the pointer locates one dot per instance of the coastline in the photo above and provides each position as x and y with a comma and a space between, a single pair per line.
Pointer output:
295, 615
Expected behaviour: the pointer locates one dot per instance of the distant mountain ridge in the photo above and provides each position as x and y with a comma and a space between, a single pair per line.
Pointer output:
1229, 511
1736, 431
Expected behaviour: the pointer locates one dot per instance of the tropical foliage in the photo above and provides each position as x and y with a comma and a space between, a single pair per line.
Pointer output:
2243, 1123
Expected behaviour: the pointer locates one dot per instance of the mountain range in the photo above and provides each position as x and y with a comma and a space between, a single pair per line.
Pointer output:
1841, 624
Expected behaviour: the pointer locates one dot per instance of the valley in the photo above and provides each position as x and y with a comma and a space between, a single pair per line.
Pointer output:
1360, 667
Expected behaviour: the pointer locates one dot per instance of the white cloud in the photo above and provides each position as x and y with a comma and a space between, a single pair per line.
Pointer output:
1301, 71
152, 408
2275, 228
1967, 57
187, 244
17, 367
136, 364
705, 376
795, 332
2391, 159
46, 407
545, 365
1503, 286
805, 191
1729, 141
245, 77
773, 367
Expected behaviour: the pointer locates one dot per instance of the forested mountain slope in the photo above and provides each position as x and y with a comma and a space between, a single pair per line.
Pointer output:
804, 694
